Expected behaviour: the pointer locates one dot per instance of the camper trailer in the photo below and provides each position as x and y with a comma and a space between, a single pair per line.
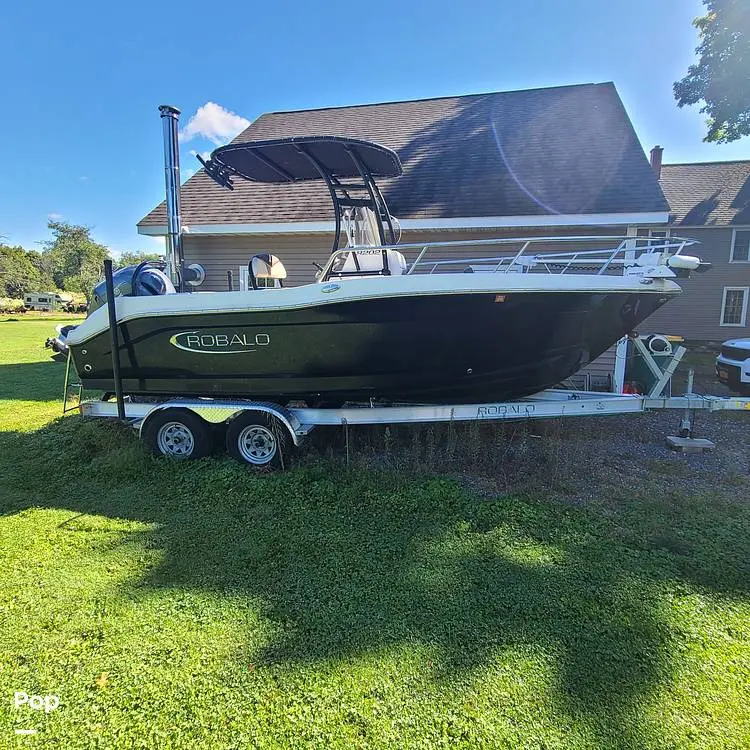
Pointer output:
48, 301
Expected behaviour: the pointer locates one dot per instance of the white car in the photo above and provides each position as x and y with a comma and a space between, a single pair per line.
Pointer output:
733, 365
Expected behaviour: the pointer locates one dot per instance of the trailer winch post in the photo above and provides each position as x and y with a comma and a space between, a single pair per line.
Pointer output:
113, 337
688, 418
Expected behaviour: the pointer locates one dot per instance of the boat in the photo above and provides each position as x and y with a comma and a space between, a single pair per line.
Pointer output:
381, 321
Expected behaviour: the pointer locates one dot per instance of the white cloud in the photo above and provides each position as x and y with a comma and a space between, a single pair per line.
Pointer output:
187, 173
54, 217
214, 123
83, 178
160, 243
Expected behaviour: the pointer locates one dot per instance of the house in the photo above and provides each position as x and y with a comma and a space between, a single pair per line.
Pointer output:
543, 162
710, 202
562, 160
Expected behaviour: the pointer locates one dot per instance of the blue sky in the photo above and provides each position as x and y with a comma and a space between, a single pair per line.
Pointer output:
82, 81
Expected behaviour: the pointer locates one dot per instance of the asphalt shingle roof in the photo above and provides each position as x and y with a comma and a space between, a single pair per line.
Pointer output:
710, 193
566, 150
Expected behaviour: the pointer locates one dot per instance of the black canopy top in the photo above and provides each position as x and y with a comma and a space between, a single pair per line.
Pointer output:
301, 158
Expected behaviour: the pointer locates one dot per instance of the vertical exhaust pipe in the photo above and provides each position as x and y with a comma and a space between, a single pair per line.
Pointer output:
183, 277
175, 260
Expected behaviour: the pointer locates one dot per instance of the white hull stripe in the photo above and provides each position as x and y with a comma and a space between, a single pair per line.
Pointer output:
355, 290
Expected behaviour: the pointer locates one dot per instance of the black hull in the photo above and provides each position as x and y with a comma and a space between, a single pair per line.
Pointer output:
440, 348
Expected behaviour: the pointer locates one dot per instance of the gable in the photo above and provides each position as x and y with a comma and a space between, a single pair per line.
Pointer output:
542, 152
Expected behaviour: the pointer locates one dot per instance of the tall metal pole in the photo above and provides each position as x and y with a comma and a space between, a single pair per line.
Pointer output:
113, 337
175, 259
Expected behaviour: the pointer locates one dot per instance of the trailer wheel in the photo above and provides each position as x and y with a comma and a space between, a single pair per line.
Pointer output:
259, 440
177, 433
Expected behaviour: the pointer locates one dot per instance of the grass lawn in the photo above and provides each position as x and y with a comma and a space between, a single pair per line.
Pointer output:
197, 605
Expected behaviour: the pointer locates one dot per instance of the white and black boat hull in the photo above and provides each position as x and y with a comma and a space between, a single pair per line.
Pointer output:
452, 346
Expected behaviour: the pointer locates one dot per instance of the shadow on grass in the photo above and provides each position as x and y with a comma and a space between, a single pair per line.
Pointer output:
32, 381
350, 563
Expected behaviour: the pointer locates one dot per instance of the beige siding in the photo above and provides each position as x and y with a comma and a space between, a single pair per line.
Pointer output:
217, 253
696, 313
599, 374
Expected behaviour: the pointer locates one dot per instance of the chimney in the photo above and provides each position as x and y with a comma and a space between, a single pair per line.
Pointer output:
656, 153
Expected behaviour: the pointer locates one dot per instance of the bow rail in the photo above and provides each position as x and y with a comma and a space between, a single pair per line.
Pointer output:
523, 255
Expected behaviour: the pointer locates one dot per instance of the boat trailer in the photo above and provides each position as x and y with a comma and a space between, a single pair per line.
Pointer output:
260, 433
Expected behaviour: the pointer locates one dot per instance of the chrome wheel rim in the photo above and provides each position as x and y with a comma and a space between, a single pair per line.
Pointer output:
175, 439
257, 444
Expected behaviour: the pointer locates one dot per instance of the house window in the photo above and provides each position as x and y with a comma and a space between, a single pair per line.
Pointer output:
734, 306
261, 283
654, 236
740, 252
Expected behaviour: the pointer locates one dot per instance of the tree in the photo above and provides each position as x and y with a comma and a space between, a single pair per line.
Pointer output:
721, 77
130, 258
21, 271
76, 259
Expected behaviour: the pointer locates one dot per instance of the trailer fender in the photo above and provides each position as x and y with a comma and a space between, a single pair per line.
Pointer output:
226, 412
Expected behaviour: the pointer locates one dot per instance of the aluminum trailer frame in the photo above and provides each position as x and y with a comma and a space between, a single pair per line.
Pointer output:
301, 421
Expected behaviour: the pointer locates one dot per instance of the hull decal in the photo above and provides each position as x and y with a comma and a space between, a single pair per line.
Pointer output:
219, 342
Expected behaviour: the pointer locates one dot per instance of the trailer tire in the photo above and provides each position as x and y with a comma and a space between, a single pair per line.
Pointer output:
259, 440
177, 433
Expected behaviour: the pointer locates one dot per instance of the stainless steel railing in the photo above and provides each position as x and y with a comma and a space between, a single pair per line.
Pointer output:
625, 252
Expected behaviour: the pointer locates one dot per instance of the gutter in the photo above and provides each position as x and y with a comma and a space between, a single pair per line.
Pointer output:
470, 222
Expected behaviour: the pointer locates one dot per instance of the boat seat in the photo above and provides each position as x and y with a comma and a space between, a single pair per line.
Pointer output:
370, 261
265, 266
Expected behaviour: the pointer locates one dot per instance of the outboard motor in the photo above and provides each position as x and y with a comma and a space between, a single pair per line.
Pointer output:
143, 280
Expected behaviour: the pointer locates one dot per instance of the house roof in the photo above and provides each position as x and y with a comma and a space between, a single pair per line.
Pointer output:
564, 150
708, 193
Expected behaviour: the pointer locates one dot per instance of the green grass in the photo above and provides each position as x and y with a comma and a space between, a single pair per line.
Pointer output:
196, 605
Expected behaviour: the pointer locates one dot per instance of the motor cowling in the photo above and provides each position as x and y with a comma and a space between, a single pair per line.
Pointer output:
133, 281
